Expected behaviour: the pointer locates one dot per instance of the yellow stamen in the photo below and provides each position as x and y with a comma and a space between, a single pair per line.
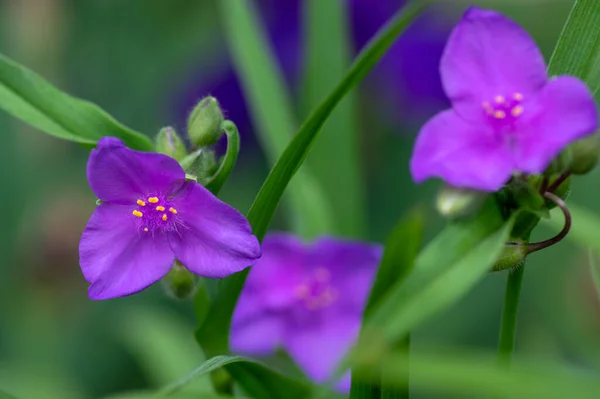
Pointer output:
137, 213
153, 200
518, 96
160, 208
499, 99
173, 211
141, 203
145, 229
517, 110
164, 217
499, 114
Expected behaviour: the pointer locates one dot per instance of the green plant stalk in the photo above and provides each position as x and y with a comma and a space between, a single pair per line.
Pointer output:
508, 323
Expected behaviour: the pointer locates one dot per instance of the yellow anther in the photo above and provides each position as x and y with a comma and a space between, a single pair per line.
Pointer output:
164, 217
499, 99
141, 203
160, 208
322, 275
499, 114
173, 211
518, 96
137, 213
153, 200
517, 110
145, 229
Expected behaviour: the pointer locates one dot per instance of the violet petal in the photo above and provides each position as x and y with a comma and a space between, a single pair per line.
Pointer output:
120, 175
255, 331
564, 111
116, 258
488, 55
215, 240
319, 349
462, 154
353, 265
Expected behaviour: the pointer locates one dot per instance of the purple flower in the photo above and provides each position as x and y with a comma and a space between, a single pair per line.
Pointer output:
506, 115
149, 216
306, 299
404, 85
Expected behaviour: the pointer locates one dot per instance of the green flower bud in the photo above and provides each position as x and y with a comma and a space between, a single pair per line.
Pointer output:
180, 283
585, 154
455, 202
169, 143
561, 163
204, 123
513, 255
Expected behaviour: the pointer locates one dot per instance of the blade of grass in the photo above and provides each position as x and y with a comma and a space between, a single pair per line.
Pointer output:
398, 260
272, 111
335, 157
470, 374
29, 97
577, 52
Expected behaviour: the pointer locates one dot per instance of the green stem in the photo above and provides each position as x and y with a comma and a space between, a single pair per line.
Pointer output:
399, 392
506, 343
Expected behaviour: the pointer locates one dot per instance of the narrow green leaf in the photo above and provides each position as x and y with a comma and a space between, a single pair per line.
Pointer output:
444, 271
578, 49
272, 110
254, 378
228, 162
30, 98
213, 333
398, 259
209, 365
335, 157
466, 374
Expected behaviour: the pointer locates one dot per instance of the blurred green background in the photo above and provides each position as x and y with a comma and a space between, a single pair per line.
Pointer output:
140, 60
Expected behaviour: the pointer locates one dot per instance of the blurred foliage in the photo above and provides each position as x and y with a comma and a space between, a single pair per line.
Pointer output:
135, 58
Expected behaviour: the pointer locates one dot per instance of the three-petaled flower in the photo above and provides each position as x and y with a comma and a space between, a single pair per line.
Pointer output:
150, 216
506, 115
307, 299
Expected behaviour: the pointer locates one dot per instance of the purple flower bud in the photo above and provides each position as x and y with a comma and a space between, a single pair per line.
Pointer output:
149, 217
506, 115
308, 299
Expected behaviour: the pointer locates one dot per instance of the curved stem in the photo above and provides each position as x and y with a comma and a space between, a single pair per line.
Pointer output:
508, 323
559, 180
563, 233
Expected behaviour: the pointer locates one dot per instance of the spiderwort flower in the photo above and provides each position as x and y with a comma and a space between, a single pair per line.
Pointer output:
150, 216
506, 114
307, 299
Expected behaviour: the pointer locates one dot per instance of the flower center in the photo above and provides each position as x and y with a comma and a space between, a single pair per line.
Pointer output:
504, 111
155, 213
316, 292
